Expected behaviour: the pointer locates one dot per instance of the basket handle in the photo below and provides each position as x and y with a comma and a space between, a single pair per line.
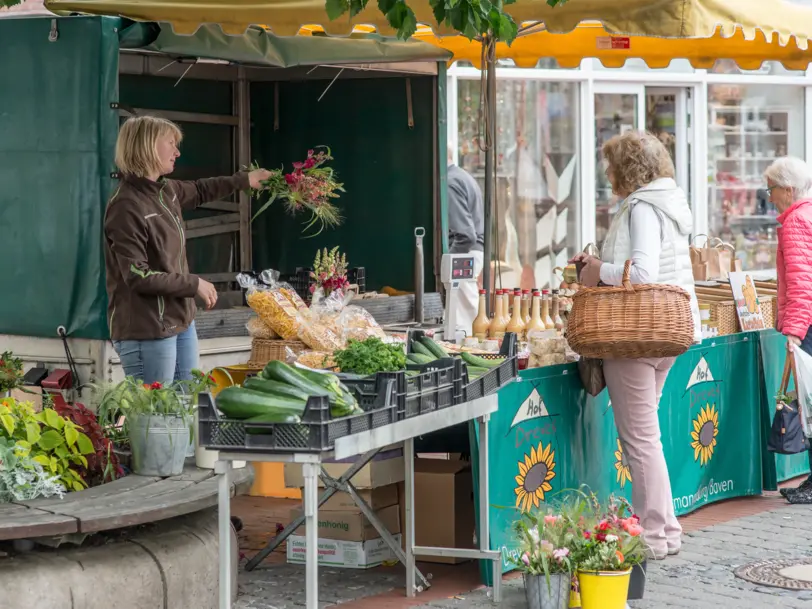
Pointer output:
627, 282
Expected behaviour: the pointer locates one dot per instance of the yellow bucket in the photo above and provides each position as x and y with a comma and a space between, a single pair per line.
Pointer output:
604, 589
231, 375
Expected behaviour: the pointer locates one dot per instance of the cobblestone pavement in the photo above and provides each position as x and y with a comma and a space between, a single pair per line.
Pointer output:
701, 577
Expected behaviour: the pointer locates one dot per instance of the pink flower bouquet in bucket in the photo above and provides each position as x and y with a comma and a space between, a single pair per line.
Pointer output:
309, 188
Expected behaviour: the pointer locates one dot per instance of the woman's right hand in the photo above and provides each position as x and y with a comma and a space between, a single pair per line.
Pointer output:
207, 293
582, 257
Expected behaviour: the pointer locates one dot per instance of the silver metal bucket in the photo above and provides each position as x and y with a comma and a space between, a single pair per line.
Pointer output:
541, 596
159, 444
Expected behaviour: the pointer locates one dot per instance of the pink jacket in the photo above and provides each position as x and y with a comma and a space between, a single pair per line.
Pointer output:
794, 266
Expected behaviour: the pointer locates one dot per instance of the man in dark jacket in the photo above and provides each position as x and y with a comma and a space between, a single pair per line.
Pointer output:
466, 234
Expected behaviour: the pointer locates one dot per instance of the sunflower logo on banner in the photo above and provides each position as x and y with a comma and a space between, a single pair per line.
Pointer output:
706, 428
535, 474
624, 474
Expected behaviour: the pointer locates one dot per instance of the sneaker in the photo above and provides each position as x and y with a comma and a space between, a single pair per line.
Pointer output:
801, 496
673, 550
806, 485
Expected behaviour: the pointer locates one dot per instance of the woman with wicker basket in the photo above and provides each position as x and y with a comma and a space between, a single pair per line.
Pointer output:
789, 182
647, 245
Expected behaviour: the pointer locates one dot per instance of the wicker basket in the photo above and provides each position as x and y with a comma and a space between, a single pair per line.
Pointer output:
727, 320
264, 350
632, 321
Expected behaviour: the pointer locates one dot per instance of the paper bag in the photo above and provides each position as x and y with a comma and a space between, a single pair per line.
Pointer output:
717, 257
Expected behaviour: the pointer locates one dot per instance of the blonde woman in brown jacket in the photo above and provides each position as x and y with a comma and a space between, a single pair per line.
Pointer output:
150, 290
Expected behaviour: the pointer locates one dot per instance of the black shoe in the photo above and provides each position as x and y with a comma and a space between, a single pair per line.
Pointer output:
801, 496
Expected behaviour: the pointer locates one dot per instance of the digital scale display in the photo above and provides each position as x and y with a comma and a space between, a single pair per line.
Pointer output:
462, 268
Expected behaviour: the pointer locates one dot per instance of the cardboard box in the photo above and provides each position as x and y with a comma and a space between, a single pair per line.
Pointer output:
346, 554
385, 469
443, 507
377, 498
352, 526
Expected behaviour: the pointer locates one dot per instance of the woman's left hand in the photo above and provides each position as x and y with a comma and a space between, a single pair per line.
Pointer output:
792, 342
256, 177
591, 272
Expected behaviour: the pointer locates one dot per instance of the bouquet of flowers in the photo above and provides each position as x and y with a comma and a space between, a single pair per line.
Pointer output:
610, 538
329, 272
310, 187
545, 543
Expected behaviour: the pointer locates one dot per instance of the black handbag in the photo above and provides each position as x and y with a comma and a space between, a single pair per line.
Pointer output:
787, 434
591, 372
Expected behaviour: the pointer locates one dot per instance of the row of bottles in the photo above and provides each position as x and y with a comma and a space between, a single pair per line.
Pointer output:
528, 313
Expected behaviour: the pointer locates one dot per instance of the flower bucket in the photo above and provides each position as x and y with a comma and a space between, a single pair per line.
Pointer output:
637, 583
159, 444
540, 595
604, 589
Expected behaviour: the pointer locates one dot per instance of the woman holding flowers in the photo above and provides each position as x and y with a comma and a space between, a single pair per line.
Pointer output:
150, 290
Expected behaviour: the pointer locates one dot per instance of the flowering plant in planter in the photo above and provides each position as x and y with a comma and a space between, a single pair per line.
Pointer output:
11, 372
329, 272
310, 188
611, 538
545, 543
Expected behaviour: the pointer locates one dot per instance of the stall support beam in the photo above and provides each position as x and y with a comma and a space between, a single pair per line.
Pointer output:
222, 468
242, 103
490, 164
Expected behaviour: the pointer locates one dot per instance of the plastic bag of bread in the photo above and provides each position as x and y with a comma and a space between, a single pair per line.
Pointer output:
357, 323
259, 329
273, 307
318, 360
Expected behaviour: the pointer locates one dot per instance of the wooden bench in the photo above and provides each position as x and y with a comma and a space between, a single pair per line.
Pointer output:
127, 502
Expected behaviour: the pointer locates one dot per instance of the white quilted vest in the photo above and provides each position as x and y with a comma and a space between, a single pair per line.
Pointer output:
676, 224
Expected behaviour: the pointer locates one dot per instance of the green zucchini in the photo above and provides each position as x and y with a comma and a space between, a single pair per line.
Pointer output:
325, 380
241, 403
270, 418
474, 372
275, 388
436, 350
479, 362
419, 358
282, 373
419, 349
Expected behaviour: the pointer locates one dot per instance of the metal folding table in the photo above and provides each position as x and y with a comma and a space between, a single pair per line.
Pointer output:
367, 444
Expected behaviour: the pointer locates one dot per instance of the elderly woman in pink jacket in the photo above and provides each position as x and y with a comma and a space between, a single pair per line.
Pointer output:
789, 182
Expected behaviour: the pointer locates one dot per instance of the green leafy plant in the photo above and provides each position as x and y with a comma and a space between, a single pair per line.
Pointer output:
56, 443
131, 398
11, 372
471, 18
22, 478
370, 356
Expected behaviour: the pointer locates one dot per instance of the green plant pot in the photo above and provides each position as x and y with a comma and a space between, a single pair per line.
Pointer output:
159, 444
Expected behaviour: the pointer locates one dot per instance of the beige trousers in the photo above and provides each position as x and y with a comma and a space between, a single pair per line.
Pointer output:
635, 387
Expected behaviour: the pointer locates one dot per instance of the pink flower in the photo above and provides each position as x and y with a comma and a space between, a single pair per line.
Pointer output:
298, 165
604, 526
550, 519
600, 537
587, 535
635, 530
310, 153
309, 163
561, 553
290, 179
526, 559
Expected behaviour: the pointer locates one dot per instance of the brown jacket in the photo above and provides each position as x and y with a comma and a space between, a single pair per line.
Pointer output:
149, 287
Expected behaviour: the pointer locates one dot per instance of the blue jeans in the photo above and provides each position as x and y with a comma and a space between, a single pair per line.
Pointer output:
163, 360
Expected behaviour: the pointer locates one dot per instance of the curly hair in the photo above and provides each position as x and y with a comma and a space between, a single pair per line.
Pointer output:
637, 158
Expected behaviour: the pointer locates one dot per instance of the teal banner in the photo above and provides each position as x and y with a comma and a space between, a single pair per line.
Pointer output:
548, 436
777, 468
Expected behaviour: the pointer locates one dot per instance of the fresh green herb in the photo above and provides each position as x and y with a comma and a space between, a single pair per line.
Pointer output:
371, 356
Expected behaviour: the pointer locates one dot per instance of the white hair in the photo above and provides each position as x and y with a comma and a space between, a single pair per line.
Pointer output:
791, 172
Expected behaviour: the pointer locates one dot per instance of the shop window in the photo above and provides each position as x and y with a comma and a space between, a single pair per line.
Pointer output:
769, 68
537, 185
749, 126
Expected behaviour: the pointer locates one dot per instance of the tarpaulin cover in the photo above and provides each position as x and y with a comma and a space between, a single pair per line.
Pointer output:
721, 29
57, 131
260, 47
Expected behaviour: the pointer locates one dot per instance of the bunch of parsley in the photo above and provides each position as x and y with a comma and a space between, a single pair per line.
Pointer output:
370, 356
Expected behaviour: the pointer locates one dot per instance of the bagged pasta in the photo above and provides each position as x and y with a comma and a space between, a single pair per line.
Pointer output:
259, 329
357, 323
271, 305
318, 360
318, 325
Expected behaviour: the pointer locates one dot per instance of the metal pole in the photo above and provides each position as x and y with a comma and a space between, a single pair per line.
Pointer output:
224, 530
410, 564
311, 489
490, 162
243, 104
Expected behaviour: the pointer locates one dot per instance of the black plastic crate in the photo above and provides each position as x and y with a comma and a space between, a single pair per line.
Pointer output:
316, 433
490, 382
358, 276
431, 387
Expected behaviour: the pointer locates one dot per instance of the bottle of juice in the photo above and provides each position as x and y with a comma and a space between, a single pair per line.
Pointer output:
545, 310
498, 324
517, 325
481, 323
535, 324
558, 322
526, 306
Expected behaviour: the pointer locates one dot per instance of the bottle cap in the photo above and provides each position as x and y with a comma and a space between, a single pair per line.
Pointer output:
525, 291
482, 291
